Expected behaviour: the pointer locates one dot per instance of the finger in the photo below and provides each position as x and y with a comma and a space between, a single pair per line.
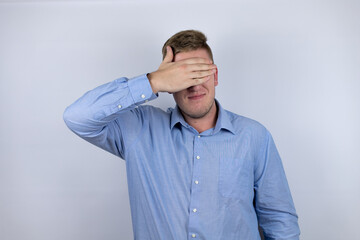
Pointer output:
198, 81
196, 60
169, 55
200, 67
201, 74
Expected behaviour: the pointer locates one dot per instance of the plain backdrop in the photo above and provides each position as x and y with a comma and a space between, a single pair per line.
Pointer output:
291, 65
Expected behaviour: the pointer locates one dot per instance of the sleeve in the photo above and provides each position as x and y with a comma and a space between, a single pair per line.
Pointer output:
107, 116
273, 202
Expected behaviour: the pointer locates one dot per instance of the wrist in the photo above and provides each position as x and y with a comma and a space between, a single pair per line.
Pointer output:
152, 82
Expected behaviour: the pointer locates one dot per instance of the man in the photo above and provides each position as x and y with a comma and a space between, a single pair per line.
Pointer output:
196, 171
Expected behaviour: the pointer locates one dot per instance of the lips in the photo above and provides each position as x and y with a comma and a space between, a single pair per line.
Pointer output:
196, 96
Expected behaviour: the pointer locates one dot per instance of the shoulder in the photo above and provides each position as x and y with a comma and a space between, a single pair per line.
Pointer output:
243, 124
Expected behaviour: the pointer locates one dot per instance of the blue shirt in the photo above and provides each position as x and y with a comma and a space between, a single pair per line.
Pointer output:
219, 184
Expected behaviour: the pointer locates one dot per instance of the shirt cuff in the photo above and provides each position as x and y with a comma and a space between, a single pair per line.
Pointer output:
140, 89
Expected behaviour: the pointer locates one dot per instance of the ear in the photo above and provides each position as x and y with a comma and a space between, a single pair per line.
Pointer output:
216, 78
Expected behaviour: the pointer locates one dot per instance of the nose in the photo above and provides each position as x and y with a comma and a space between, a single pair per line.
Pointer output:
194, 88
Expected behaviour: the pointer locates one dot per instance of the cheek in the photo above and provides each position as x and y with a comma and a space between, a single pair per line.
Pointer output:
176, 96
210, 84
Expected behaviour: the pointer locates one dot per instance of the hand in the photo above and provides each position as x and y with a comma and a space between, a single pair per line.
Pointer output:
176, 76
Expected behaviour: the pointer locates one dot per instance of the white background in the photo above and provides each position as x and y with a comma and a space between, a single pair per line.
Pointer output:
291, 65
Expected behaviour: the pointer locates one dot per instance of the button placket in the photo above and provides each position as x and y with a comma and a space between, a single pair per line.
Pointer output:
195, 188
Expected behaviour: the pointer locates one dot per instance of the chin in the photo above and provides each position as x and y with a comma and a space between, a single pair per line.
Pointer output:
196, 111
196, 115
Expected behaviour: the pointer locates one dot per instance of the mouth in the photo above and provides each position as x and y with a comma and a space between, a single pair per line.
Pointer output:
196, 97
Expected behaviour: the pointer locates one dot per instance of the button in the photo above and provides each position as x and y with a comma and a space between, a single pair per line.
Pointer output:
194, 210
193, 235
196, 182
119, 106
142, 96
197, 157
199, 136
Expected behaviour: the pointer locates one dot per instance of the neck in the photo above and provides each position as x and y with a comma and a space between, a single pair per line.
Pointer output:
204, 123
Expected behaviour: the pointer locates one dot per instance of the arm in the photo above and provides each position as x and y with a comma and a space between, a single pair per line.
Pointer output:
273, 202
106, 116
101, 116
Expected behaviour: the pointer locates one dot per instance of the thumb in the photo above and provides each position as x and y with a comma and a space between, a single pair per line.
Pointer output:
169, 55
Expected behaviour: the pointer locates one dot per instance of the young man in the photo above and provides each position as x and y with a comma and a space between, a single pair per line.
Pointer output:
196, 171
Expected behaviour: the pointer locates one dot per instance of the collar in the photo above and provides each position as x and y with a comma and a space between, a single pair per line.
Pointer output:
223, 121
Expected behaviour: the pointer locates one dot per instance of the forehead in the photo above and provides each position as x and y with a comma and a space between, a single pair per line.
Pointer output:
202, 53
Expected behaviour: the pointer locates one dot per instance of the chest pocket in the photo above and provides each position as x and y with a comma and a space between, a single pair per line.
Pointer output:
235, 178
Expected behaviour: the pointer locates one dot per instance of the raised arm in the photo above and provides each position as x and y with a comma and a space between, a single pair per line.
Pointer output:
107, 115
102, 115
